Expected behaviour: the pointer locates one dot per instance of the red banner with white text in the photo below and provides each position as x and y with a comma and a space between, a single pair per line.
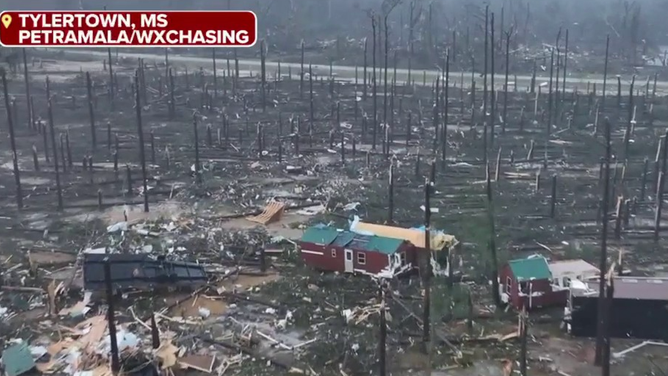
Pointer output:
128, 29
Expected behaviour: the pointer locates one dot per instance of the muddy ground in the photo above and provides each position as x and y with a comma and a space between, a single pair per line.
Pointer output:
250, 144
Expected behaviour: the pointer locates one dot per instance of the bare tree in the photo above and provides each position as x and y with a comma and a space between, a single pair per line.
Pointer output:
387, 8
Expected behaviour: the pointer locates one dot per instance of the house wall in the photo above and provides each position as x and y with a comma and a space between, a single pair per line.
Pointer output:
417, 254
560, 279
374, 261
319, 257
546, 299
411, 254
333, 259
330, 258
505, 274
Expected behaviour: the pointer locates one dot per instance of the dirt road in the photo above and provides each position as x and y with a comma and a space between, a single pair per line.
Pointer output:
348, 72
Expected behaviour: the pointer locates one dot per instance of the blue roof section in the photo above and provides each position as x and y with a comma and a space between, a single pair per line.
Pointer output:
530, 268
344, 238
320, 235
341, 238
383, 245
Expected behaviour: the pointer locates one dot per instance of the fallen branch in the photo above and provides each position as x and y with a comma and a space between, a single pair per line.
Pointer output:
22, 289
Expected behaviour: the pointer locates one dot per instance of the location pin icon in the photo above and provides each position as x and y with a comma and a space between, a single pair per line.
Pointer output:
6, 20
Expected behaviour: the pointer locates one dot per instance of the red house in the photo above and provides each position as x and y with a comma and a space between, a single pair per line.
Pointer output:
533, 283
330, 249
528, 283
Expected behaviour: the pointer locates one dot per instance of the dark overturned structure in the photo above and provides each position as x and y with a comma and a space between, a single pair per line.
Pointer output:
639, 309
128, 271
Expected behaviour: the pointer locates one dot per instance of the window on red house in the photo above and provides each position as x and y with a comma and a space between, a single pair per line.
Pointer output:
361, 258
333, 253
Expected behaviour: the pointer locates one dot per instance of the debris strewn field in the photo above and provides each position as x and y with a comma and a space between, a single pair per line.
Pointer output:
223, 165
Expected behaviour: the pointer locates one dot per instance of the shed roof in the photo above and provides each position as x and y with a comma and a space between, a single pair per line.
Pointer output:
641, 288
437, 240
530, 268
572, 267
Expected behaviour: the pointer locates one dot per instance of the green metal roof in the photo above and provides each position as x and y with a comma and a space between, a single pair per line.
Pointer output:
343, 239
530, 268
319, 235
383, 245
17, 360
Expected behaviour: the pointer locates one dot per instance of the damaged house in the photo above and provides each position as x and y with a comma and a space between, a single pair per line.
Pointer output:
639, 308
331, 249
535, 283
442, 245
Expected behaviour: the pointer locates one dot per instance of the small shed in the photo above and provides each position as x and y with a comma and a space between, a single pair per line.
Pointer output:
528, 283
638, 308
331, 249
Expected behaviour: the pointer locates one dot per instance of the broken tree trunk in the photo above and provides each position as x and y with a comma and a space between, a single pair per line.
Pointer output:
215, 74
548, 125
111, 80
505, 85
444, 138
492, 242
609, 293
630, 119
383, 331
492, 101
661, 186
364, 88
264, 75
91, 112
111, 319
604, 246
390, 213
524, 335
15, 161
484, 89
563, 88
426, 273
197, 161
605, 76
140, 134
374, 123
27, 82
386, 55
53, 145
